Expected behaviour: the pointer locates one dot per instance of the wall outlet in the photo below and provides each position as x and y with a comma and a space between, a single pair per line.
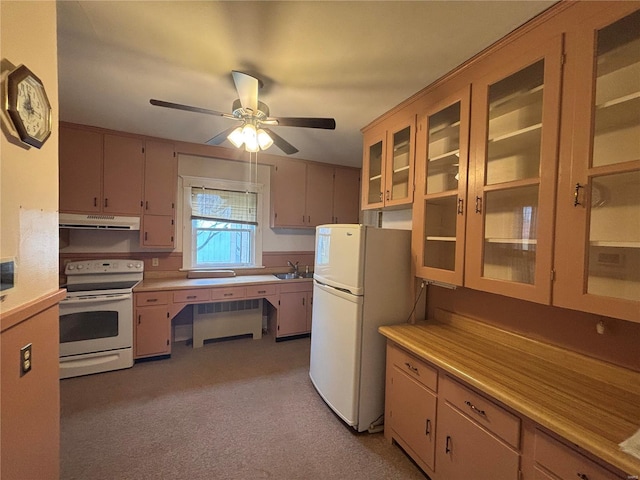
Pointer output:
155, 261
25, 360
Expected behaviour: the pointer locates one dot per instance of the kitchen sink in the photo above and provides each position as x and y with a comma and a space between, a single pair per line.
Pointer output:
292, 276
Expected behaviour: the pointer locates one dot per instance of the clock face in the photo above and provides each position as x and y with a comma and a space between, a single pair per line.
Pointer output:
28, 107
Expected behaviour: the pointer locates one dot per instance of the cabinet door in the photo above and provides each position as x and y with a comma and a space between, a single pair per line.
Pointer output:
514, 141
292, 314
153, 331
399, 164
464, 451
160, 178
598, 229
80, 167
346, 195
319, 195
373, 166
413, 415
157, 231
288, 191
123, 175
441, 189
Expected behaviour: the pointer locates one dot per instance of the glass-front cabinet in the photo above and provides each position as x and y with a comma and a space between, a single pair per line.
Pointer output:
388, 165
441, 185
598, 231
514, 142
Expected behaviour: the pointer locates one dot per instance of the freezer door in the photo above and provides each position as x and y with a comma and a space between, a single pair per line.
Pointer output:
340, 256
336, 335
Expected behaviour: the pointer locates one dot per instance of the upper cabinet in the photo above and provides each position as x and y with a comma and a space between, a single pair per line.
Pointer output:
306, 194
512, 175
388, 164
100, 173
598, 222
442, 153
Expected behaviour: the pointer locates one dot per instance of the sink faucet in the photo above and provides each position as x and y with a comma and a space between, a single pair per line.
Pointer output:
294, 266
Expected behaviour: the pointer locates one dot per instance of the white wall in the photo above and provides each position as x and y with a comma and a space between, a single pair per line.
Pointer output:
29, 176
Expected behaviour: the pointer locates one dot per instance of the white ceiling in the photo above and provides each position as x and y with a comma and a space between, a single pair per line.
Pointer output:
352, 61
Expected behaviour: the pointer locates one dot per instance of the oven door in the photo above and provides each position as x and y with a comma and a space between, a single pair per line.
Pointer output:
96, 323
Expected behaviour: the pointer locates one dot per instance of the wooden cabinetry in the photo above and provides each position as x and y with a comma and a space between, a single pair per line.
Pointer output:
152, 332
598, 216
330, 194
100, 173
160, 178
294, 309
387, 166
410, 406
556, 461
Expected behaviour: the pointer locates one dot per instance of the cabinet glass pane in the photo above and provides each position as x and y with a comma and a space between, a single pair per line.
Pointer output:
515, 126
440, 230
375, 173
617, 99
401, 164
510, 234
444, 150
614, 236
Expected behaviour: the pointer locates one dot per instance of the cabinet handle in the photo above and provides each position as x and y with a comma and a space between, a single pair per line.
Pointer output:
146, 205
411, 367
191, 297
139, 319
106, 202
460, 206
95, 201
388, 195
475, 409
152, 300
262, 291
380, 196
447, 448
583, 476
302, 300
427, 427
228, 294
575, 195
478, 204
146, 235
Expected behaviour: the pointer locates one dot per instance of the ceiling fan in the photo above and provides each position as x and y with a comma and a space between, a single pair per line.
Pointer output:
254, 116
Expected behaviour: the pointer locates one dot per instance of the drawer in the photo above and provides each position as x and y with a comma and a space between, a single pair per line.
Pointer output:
152, 298
482, 410
230, 293
191, 296
261, 290
412, 366
564, 462
293, 286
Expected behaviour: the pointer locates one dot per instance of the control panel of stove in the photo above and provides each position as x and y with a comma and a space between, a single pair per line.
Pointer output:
104, 266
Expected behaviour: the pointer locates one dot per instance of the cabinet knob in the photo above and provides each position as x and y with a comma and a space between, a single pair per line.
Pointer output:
583, 476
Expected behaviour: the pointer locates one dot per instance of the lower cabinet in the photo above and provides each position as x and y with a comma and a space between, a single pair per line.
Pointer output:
152, 329
294, 309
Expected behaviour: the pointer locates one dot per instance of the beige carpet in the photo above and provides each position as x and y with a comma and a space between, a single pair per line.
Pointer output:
240, 409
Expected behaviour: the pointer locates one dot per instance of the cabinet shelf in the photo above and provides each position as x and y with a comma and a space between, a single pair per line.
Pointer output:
512, 241
516, 133
518, 99
452, 153
375, 177
401, 169
616, 101
440, 239
614, 244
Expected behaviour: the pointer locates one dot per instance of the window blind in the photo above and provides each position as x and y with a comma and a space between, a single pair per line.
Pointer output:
224, 206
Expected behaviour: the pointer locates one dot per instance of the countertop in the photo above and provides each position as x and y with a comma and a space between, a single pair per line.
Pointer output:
593, 404
179, 283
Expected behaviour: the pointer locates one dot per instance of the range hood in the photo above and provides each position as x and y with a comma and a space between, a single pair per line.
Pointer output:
106, 222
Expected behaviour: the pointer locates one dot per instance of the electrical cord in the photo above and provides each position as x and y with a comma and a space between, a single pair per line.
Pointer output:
422, 285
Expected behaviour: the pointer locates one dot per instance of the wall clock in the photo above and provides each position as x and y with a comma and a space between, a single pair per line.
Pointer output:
27, 106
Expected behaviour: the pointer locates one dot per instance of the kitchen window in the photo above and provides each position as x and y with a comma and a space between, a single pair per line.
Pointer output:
221, 228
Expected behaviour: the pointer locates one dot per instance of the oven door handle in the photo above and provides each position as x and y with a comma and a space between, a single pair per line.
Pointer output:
84, 299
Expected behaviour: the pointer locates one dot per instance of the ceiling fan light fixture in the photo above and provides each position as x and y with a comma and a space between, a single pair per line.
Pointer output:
264, 139
236, 137
250, 137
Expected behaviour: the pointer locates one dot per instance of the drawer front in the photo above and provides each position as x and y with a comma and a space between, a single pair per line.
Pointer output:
412, 366
290, 287
482, 410
565, 462
231, 293
191, 296
261, 290
152, 298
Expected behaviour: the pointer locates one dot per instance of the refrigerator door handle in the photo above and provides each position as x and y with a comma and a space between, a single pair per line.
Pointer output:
339, 292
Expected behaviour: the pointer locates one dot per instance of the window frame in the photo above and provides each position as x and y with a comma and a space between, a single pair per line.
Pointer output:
188, 182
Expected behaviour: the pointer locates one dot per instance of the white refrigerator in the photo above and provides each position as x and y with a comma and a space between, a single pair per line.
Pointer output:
362, 280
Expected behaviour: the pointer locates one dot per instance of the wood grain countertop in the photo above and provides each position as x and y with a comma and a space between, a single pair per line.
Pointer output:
181, 283
591, 403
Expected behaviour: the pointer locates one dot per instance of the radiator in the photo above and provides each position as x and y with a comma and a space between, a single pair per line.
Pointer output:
226, 319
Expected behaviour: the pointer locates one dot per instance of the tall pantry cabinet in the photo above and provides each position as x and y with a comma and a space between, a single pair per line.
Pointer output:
598, 227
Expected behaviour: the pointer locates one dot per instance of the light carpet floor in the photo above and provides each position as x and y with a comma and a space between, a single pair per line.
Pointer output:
239, 409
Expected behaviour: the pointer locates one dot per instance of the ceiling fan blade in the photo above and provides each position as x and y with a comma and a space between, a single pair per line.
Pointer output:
281, 143
188, 108
221, 137
247, 87
326, 123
